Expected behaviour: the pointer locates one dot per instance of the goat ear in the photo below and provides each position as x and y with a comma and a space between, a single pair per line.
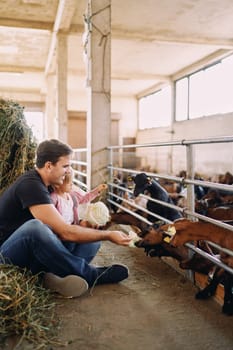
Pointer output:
149, 179
171, 230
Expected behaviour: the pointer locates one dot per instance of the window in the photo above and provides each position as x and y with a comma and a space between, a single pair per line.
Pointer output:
182, 99
196, 95
227, 74
35, 121
155, 109
205, 92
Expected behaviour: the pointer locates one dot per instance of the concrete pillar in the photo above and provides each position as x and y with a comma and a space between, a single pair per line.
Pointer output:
51, 122
173, 114
61, 99
99, 81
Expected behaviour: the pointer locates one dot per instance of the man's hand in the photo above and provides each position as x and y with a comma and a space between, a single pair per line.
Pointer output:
119, 237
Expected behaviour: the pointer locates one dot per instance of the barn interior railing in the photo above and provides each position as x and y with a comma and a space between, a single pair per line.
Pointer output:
114, 168
79, 165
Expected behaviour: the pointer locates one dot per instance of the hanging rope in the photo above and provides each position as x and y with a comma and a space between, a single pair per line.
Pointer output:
104, 37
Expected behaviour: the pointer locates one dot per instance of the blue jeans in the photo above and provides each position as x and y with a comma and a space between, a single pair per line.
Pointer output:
34, 246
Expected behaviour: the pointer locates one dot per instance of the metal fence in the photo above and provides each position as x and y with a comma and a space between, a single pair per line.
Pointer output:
79, 165
189, 181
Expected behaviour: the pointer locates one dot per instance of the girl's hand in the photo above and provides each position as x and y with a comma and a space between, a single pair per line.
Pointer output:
102, 187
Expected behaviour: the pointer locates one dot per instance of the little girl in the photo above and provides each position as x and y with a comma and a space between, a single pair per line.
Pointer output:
67, 197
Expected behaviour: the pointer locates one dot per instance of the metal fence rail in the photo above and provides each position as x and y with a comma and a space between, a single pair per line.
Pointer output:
80, 170
189, 182
79, 165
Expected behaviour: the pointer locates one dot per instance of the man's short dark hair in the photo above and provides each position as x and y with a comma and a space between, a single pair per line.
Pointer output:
51, 151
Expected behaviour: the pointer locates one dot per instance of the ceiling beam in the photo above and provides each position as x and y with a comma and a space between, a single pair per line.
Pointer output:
40, 25
20, 90
172, 39
153, 88
138, 76
82, 73
213, 57
15, 23
117, 33
20, 69
65, 12
219, 54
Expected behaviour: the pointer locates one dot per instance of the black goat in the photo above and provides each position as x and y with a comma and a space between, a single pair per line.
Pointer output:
144, 184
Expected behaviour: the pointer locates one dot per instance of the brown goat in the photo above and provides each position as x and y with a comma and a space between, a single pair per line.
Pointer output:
155, 244
223, 212
196, 231
187, 230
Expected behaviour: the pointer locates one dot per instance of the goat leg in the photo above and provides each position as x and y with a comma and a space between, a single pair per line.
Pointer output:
210, 289
228, 294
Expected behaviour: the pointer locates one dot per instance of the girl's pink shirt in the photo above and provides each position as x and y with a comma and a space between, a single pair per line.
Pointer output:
80, 197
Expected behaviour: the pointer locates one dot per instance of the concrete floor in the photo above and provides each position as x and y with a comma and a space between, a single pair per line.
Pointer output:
154, 309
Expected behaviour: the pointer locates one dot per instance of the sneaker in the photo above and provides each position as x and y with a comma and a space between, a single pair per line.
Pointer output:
112, 274
69, 286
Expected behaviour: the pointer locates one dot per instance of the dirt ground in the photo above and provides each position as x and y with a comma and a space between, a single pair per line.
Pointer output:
154, 309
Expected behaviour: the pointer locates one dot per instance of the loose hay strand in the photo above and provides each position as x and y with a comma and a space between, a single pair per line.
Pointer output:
26, 309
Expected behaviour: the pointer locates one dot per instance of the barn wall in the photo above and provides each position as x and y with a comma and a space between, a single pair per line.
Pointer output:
210, 159
125, 107
77, 102
77, 129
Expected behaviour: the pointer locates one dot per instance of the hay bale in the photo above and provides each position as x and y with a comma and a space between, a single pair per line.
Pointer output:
26, 309
17, 144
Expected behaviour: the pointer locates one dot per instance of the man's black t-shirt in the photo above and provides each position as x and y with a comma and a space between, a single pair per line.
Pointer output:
26, 191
